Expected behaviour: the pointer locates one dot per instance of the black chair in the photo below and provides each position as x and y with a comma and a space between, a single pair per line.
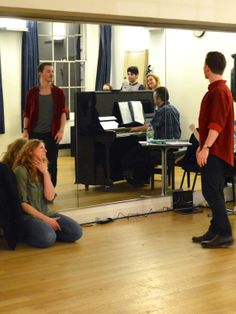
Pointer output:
189, 163
230, 178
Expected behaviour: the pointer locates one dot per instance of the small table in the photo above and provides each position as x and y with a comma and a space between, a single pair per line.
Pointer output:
164, 146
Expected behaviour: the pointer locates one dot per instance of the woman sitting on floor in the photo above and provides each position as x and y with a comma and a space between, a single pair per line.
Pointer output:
42, 227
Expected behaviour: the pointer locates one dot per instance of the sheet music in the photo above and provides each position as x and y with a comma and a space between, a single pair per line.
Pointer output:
107, 118
138, 111
125, 112
108, 125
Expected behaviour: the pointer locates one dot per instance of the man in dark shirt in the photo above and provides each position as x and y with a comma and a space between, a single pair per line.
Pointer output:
165, 121
166, 125
215, 154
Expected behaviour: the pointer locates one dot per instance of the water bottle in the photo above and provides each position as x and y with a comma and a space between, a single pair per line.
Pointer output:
149, 134
125, 85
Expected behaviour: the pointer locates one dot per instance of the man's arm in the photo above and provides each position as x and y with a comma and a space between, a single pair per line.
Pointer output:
25, 128
203, 152
142, 128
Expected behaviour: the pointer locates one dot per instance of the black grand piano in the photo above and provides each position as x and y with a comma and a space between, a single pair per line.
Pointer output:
98, 152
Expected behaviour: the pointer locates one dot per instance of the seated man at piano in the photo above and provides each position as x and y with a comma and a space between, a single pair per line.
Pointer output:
166, 125
165, 122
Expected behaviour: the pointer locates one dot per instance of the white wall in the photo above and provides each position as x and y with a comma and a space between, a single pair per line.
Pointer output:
177, 57
10, 47
157, 52
125, 38
92, 46
185, 55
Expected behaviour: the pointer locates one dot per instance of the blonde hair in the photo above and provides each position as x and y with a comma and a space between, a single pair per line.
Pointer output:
25, 159
157, 79
13, 149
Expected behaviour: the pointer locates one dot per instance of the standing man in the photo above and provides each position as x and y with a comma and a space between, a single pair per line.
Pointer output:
133, 85
215, 154
45, 115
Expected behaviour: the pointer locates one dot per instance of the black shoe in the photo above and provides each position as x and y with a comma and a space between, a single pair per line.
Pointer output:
218, 241
205, 237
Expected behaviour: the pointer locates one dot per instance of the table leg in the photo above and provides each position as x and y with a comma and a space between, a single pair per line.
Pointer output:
164, 170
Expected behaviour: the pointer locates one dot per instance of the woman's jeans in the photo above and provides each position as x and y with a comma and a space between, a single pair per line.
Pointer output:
40, 234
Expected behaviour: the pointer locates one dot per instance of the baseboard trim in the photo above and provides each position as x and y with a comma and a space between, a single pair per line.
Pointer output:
126, 209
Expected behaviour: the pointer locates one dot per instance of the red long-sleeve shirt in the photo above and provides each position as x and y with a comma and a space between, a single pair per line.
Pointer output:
217, 113
32, 108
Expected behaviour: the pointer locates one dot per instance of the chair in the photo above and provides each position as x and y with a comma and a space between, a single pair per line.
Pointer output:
230, 178
189, 163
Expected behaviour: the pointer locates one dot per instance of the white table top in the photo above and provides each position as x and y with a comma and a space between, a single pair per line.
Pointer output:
165, 143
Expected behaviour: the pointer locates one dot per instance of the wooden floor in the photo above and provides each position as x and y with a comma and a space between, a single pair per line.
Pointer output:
72, 196
143, 265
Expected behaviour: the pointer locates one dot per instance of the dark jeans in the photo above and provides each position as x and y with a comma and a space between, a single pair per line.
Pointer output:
52, 153
213, 181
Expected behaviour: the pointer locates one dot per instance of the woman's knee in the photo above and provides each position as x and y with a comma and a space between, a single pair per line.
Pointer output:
44, 240
77, 233
48, 239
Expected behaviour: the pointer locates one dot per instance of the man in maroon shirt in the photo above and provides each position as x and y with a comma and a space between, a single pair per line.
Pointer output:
215, 154
45, 115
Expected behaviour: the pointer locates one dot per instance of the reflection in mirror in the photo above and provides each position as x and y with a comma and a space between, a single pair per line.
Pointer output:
175, 56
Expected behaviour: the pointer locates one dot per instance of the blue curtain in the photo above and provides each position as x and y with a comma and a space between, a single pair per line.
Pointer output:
2, 123
104, 57
30, 59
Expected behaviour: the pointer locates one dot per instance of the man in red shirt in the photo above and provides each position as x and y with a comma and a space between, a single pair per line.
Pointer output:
45, 115
215, 154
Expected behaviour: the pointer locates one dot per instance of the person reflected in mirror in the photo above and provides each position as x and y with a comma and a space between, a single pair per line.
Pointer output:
166, 119
152, 81
45, 115
166, 125
42, 227
215, 154
12, 152
132, 84
107, 87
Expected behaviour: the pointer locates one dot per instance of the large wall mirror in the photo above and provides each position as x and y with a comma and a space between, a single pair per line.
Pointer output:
176, 56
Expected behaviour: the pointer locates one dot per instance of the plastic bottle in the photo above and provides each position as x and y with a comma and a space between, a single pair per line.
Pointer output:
149, 133
125, 85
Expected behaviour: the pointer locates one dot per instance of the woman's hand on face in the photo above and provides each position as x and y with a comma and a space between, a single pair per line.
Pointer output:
40, 165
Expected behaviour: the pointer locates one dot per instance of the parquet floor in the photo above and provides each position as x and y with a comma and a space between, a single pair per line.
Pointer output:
144, 265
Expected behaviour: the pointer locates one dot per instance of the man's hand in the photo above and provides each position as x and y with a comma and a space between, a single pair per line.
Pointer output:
59, 136
135, 129
202, 156
25, 134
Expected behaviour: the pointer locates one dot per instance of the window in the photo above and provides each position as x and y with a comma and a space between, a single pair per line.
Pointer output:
63, 45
